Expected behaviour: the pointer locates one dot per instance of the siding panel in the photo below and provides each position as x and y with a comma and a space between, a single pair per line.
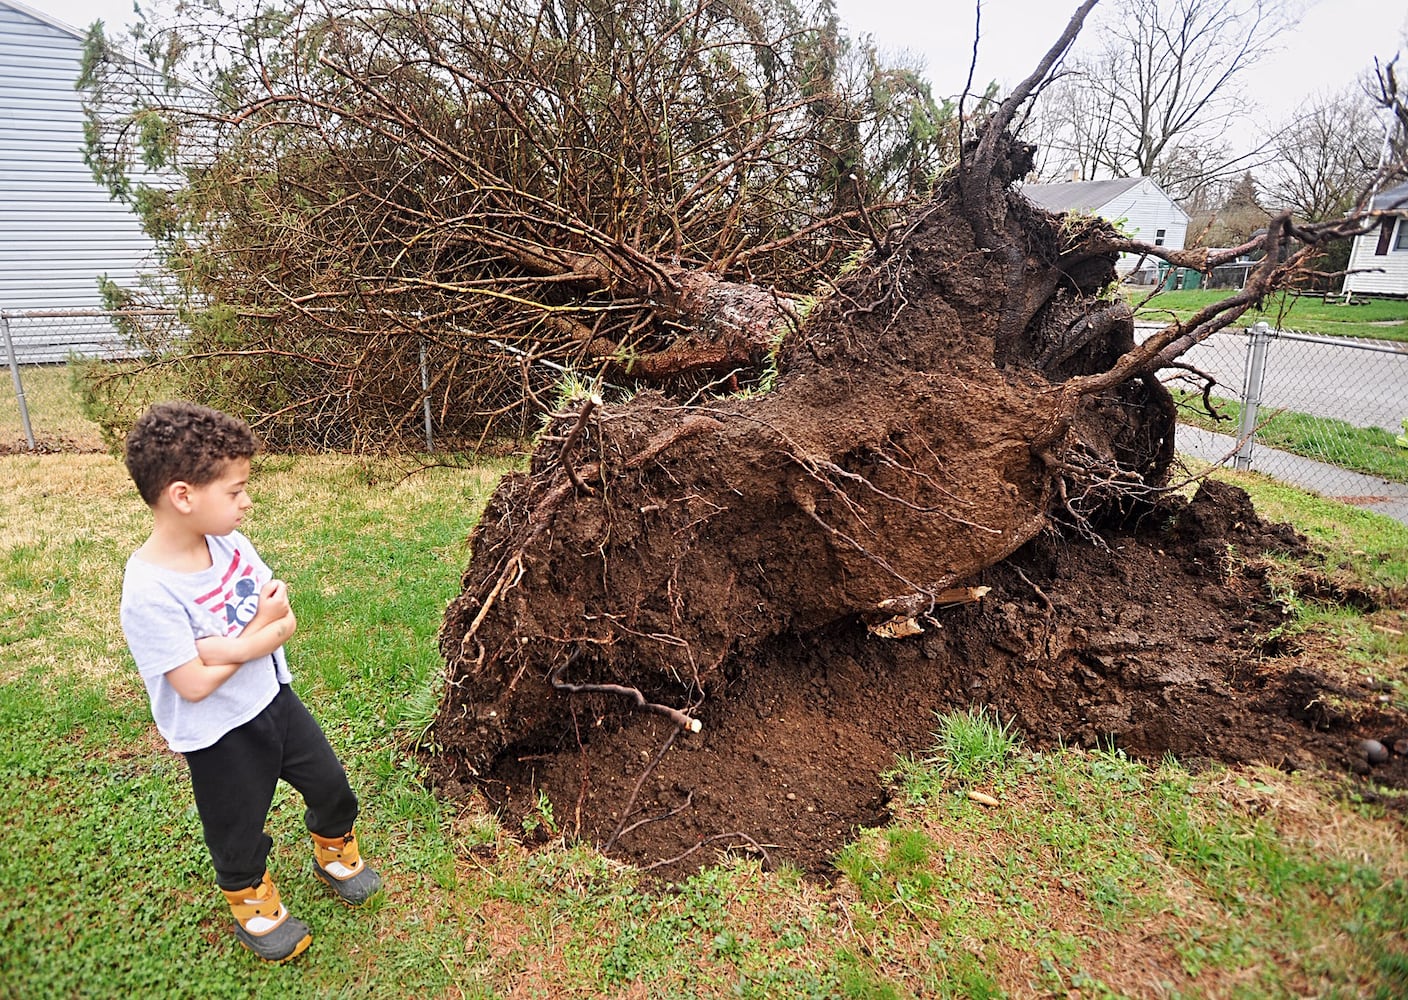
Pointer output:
1387, 274
58, 229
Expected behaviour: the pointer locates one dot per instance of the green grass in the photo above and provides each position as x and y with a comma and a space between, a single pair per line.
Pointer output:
971, 747
1089, 850
1094, 874
1380, 319
1370, 450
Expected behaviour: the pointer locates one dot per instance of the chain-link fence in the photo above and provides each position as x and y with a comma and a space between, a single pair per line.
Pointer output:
1297, 407
36, 343
1304, 408
55, 335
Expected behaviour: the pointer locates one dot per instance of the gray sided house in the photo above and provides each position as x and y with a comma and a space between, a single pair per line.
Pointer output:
58, 229
1138, 205
1378, 260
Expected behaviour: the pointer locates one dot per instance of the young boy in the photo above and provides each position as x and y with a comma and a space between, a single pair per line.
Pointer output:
206, 623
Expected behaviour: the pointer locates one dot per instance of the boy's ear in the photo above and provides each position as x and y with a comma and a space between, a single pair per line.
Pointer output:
179, 495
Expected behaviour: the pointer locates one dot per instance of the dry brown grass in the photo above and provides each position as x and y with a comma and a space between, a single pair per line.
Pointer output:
54, 415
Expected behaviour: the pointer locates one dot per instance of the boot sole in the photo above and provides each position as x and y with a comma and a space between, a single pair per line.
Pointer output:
259, 945
337, 886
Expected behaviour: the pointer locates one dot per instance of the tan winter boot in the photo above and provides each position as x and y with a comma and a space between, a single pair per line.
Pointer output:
337, 862
264, 926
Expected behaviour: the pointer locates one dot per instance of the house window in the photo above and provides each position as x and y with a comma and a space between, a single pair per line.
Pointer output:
1400, 239
1159, 237
1385, 237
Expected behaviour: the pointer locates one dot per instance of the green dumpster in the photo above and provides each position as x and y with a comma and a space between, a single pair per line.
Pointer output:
1172, 279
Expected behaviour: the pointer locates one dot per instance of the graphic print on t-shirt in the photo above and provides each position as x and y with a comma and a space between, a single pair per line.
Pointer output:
236, 597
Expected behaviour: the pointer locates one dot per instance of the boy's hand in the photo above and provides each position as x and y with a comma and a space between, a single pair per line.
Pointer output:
273, 624
273, 604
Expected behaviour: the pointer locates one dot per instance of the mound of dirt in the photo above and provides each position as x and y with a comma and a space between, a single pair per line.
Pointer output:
1152, 641
942, 406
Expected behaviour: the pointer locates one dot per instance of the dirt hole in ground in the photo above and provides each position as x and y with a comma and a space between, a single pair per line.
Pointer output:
1153, 641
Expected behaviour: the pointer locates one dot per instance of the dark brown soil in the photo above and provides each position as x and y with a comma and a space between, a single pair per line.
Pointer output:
1152, 641
49, 444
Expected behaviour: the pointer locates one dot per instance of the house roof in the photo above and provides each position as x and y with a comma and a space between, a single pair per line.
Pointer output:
1077, 196
48, 19
1395, 198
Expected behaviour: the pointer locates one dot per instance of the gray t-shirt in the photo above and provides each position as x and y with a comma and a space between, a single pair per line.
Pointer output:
163, 614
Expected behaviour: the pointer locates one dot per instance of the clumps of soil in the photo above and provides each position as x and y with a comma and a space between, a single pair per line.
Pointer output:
51, 444
1151, 640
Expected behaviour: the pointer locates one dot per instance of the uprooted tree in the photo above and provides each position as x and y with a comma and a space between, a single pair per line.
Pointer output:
972, 383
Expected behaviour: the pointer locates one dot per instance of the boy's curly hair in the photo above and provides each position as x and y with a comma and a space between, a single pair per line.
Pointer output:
183, 442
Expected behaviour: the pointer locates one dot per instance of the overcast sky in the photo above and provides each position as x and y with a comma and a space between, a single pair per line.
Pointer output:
1330, 45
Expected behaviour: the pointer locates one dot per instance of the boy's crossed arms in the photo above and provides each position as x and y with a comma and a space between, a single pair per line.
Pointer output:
220, 656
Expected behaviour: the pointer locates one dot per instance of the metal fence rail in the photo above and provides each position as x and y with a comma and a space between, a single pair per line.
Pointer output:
1327, 390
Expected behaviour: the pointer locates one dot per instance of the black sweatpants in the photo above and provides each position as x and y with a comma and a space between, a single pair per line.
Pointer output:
234, 783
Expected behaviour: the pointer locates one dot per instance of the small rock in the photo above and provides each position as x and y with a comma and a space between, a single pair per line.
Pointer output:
1401, 747
1373, 751
791, 796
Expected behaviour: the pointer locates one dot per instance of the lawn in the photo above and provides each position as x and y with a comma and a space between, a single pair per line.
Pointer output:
1381, 319
1094, 876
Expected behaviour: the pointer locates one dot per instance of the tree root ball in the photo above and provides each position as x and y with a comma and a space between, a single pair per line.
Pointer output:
927, 421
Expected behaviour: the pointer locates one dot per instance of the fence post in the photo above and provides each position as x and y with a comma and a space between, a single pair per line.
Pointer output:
19, 383
1251, 394
425, 400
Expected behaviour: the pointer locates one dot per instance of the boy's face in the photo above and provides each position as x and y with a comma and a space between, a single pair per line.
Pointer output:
218, 507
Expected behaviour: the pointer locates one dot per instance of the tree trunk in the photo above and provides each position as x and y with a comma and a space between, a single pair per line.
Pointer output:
723, 326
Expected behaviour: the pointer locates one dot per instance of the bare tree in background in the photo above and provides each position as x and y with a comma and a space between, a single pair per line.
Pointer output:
1232, 219
1072, 130
1324, 154
1385, 89
1163, 78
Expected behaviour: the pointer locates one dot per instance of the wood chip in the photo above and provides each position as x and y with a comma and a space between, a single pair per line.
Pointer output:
961, 595
896, 628
913, 604
982, 798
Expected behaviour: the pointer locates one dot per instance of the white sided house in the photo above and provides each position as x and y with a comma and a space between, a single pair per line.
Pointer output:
1378, 259
59, 230
1136, 204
